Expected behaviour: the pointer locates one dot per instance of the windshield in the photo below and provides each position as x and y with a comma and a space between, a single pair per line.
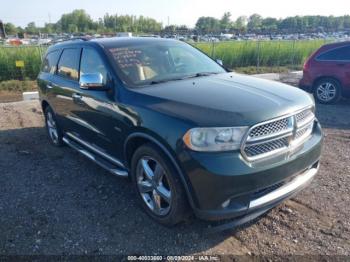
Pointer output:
151, 63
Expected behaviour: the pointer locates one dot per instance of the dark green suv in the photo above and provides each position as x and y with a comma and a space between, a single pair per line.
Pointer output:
189, 134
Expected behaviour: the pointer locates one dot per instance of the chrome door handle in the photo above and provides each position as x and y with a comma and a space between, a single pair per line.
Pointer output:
76, 96
49, 86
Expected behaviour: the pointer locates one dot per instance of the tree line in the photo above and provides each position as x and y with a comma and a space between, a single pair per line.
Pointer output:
257, 24
79, 21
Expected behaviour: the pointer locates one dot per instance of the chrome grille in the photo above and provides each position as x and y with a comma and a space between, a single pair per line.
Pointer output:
259, 149
300, 133
304, 132
275, 136
304, 117
269, 128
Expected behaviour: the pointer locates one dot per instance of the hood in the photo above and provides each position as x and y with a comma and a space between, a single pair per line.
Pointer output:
227, 99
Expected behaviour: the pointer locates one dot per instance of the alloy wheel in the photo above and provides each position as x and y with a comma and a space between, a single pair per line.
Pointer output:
326, 92
153, 186
52, 127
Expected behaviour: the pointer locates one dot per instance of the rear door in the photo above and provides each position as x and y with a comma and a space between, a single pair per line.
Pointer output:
46, 76
67, 90
336, 62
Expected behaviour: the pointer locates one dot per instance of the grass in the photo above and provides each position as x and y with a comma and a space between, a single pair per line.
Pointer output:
238, 54
18, 86
31, 56
243, 56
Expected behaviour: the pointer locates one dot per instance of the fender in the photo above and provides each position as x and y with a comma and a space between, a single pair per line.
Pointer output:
184, 181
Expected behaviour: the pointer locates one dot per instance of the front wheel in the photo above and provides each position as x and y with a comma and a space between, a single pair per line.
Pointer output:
158, 186
327, 91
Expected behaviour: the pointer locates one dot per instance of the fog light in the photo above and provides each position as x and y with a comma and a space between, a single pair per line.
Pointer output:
226, 203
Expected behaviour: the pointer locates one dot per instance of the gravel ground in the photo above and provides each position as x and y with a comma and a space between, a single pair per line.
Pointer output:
54, 201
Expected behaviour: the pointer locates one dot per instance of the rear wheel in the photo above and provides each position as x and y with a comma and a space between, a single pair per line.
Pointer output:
327, 91
52, 128
158, 186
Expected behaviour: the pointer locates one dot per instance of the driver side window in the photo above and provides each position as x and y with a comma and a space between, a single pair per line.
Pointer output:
91, 63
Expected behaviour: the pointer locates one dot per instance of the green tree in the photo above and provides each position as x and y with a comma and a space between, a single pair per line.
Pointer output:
31, 28
76, 21
225, 22
269, 24
208, 25
254, 22
10, 29
241, 24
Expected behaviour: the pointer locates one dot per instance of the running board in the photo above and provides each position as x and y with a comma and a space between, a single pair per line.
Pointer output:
97, 159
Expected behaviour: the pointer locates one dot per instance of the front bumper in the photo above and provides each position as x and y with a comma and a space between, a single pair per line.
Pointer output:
216, 178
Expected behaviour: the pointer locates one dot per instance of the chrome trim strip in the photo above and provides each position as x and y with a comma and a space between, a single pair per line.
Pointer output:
298, 182
112, 159
261, 139
291, 133
90, 156
266, 140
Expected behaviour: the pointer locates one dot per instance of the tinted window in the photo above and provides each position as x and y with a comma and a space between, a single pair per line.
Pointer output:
338, 54
69, 64
50, 62
92, 63
147, 63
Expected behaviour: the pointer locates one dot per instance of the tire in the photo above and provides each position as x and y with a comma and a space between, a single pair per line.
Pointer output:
53, 130
159, 190
327, 91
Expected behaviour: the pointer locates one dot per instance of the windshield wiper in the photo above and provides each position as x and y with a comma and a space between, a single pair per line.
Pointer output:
154, 82
200, 74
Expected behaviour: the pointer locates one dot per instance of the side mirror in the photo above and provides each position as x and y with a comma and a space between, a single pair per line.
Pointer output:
219, 61
92, 81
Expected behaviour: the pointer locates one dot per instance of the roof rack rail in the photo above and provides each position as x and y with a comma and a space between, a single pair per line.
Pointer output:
75, 39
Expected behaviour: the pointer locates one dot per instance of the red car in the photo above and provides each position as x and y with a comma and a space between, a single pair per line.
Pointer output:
327, 73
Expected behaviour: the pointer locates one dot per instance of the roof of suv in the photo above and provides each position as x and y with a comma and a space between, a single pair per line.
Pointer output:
109, 42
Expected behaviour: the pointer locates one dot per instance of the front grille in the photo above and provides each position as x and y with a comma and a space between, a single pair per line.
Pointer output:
269, 128
304, 117
263, 148
303, 132
266, 139
300, 133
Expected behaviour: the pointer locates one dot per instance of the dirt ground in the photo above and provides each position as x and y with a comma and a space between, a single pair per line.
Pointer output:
55, 201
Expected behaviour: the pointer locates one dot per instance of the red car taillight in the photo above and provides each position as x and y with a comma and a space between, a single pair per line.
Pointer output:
306, 65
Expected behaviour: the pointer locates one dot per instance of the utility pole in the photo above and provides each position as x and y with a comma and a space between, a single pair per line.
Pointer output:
168, 21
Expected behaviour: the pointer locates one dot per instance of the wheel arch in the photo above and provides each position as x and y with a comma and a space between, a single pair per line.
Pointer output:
326, 77
139, 138
44, 105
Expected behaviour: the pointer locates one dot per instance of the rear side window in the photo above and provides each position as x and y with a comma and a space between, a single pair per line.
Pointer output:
50, 62
68, 65
337, 54
92, 63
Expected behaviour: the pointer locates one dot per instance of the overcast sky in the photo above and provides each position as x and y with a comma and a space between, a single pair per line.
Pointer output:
21, 12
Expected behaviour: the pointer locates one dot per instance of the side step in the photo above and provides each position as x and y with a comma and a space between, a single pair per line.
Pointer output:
97, 159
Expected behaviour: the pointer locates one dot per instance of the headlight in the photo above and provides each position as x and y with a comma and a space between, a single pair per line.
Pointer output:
214, 139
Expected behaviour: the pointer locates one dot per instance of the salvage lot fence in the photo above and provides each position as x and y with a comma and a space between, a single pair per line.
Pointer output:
23, 62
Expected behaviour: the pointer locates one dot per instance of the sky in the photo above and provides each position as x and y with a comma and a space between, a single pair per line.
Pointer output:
180, 12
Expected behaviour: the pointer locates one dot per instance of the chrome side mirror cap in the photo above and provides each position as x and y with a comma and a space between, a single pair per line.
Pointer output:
91, 81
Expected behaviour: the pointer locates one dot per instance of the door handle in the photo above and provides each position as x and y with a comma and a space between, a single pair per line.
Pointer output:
49, 85
76, 96
341, 64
